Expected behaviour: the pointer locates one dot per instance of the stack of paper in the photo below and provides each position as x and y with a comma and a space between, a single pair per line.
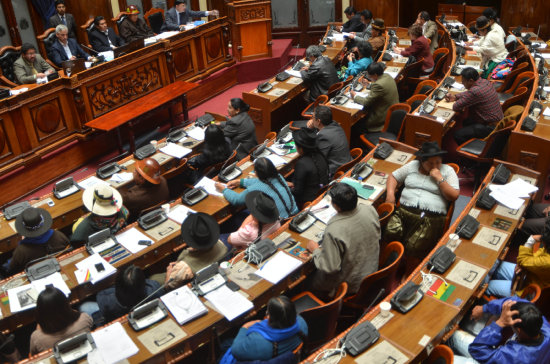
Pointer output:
130, 238
184, 305
228, 303
278, 267
196, 133
89, 182
55, 280
122, 177
180, 213
176, 151
93, 269
114, 344
209, 186
277, 161
324, 213
512, 194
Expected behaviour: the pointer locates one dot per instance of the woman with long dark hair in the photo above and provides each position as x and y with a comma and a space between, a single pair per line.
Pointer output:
216, 149
269, 181
56, 320
239, 128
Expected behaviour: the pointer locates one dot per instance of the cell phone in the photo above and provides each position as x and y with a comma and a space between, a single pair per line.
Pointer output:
368, 187
186, 144
99, 267
233, 286
51, 203
145, 242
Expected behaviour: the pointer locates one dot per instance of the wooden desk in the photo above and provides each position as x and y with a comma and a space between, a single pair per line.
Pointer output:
141, 109
415, 333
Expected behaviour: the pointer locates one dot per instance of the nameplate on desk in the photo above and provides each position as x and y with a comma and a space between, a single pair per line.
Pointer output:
277, 92
294, 81
399, 157
515, 214
466, 274
161, 336
490, 238
382, 352
163, 230
443, 113
405, 42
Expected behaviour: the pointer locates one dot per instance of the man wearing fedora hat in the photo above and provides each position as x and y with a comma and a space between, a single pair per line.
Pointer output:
177, 17
106, 211
39, 239
150, 188
133, 27
201, 233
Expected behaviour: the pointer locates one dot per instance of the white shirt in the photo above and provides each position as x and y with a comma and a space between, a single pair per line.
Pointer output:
67, 49
491, 47
106, 32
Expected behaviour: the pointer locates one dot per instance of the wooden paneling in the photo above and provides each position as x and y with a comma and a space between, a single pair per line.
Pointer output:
527, 13
251, 29
381, 9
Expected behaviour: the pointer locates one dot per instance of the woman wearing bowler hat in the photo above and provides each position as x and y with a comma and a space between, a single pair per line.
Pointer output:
429, 188
39, 239
311, 171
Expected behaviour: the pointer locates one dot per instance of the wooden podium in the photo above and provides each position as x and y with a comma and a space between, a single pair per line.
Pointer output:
251, 28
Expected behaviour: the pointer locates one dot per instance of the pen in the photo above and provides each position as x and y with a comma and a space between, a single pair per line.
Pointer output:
320, 208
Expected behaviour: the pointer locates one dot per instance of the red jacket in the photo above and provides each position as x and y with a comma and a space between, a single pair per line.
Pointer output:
420, 48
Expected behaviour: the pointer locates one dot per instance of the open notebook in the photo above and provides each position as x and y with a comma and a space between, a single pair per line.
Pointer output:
184, 305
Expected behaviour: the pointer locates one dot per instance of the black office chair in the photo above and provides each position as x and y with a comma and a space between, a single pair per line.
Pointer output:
8, 55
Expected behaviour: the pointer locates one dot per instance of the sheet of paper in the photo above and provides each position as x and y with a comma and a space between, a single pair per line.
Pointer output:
466, 274
294, 73
22, 298
179, 213
277, 160
322, 213
184, 305
209, 185
546, 111
517, 188
89, 267
91, 181
114, 344
511, 202
243, 274
122, 177
294, 80
458, 86
176, 151
129, 239
353, 105
392, 74
228, 303
277, 92
490, 238
195, 133
54, 279
278, 267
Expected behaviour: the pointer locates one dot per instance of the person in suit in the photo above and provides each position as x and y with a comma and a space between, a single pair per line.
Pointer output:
383, 94
354, 21
102, 37
61, 17
179, 15
356, 37
65, 48
132, 27
30, 66
319, 75
429, 29
331, 138
239, 128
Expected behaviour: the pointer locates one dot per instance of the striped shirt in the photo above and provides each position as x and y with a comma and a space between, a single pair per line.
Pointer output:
482, 103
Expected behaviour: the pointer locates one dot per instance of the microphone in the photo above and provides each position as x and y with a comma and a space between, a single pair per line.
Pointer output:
152, 294
380, 293
90, 49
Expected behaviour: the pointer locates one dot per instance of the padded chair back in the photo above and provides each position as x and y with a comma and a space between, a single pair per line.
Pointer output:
425, 87
321, 320
333, 90
371, 284
8, 55
86, 29
119, 19
416, 100
532, 292
356, 154
412, 70
308, 111
440, 57
509, 80
522, 80
213, 171
441, 354
155, 19
454, 166
519, 98
497, 141
394, 118
270, 135
385, 210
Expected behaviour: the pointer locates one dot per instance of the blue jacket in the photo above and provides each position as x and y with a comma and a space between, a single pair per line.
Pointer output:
254, 184
485, 348
356, 67
171, 21
57, 53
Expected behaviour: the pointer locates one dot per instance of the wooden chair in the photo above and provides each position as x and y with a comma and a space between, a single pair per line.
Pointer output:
333, 90
297, 124
348, 80
213, 171
519, 98
45, 41
154, 18
307, 113
321, 317
392, 126
8, 55
86, 29
118, 19
416, 100
385, 210
271, 135
440, 58
425, 87
524, 79
412, 71
484, 151
172, 178
531, 292
389, 261
441, 354
506, 83
356, 154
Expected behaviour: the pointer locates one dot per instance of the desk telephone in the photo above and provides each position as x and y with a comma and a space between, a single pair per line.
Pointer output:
146, 151
264, 87
100, 241
259, 151
259, 252
204, 120
501, 174
327, 40
229, 173
361, 170
176, 134
282, 76
442, 259
74, 348
340, 98
440, 93
407, 297
208, 279
65, 187
467, 227
485, 200
285, 130
11, 212
448, 82
383, 151
146, 315
42, 269
360, 338
302, 221
152, 219
194, 196
108, 170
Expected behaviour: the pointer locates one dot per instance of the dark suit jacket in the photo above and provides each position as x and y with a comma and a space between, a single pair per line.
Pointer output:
171, 18
99, 40
71, 24
319, 77
333, 143
131, 31
240, 129
353, 25
57, 53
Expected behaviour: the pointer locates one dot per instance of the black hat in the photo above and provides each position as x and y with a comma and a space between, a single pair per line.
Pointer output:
430, 149
305, 138
262, 207
177, 2
33, 222
378, 24
200, 231
482, 22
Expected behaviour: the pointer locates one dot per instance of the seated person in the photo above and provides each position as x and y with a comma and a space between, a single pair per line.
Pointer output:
30, 66
332, 141
319, 75
8, 351
215, 149
39, 239
383, 94
239, 128
65, 48
531, 334
133, 27
481, 101
356, 66
491, 46
201, 233
56, 320
102, 38
311, 171
536, 265
106, 211
418, 49
177, 17
354, 23
378, 39
131, 288
62, 17
535, 218
354, 37
280, 332
268, 181
150, 188
492, 15
262, 221
429, 188
350, 246
429, 29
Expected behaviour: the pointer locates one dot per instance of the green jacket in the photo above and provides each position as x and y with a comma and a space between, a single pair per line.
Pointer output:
383, 94
23, 71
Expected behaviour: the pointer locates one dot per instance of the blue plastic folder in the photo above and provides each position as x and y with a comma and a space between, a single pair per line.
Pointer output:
361, 192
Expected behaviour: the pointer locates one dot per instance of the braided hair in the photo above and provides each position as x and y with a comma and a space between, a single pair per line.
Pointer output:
265, 170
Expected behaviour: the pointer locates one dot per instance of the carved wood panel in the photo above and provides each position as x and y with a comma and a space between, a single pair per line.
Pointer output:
184, 61
6, 150
251, 13
213, 47
528, 159
47, 119
122, 88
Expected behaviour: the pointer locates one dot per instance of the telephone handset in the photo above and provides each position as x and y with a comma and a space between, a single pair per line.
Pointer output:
361, 170
230, 173
194, 196
264, 87
108, 170
439, 94
407, 297
152, 219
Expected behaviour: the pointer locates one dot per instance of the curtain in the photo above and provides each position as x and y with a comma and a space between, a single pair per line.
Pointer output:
46, 9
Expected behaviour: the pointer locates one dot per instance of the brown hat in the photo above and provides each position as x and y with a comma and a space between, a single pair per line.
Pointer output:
149, 169
482, 23
132, 9
378, 24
